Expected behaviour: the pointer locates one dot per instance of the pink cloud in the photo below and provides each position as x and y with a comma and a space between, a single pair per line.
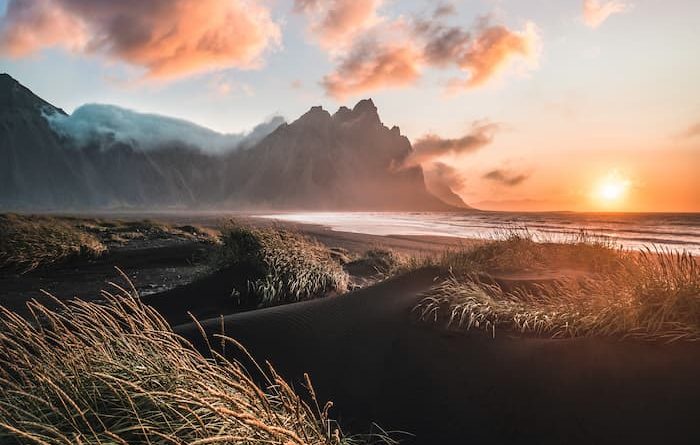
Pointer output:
596, 12
335, 22
29, 26
374, 66
169, 38
492, 50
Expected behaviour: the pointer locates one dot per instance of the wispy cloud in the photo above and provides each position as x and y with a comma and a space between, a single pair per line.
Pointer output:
505, 177
691, 132
445, 182
595, 12
432, 147
334, 23
169, 38
221, 86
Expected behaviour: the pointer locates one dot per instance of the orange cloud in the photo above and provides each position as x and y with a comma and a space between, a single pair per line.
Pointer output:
31, 25
335, 22
373, 66
395, 53
169, 38
431, 146
595, 12
492, 50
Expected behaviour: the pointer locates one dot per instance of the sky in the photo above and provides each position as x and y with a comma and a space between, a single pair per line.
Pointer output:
584, 105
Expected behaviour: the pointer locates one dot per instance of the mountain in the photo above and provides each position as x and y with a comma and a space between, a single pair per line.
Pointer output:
339, 161
29, 149
106, 157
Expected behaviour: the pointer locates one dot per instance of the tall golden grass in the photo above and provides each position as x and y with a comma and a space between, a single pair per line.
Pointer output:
281, 266
115, 373
651, 295
29, 242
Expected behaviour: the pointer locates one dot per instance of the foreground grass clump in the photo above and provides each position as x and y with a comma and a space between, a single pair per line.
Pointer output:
116, 374
647, 295
29, 242
280, 266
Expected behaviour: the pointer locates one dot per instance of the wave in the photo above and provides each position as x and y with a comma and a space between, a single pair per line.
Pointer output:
673, 231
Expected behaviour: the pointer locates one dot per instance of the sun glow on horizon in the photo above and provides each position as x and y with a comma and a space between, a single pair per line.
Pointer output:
611, 190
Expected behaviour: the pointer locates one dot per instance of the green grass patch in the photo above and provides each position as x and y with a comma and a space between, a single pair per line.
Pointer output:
279, 266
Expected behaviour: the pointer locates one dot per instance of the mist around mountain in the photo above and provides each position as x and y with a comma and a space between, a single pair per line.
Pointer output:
106, 157
108, 124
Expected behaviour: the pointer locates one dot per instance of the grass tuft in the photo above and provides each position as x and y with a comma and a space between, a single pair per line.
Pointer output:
115, 373
30, 242
652, 295
520, 250
281, 266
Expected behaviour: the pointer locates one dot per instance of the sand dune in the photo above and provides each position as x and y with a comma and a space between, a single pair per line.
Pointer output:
364, 352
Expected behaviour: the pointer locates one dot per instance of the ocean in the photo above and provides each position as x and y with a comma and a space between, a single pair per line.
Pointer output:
671, 231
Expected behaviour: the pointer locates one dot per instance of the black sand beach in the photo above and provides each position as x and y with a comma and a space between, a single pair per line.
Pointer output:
367, 353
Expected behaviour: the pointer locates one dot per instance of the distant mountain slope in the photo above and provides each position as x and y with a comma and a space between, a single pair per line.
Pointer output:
107, 157
34, 168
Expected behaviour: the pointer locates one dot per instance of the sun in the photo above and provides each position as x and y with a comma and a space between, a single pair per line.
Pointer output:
611, 189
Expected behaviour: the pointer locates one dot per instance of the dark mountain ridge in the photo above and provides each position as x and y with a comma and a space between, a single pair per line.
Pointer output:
320, 161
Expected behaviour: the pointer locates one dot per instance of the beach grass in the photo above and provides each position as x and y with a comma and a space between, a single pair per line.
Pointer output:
115, 373
31, 242
521, 250
650, 295
281, 266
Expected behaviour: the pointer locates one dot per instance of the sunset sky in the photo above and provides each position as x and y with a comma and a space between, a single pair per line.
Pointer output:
516, 104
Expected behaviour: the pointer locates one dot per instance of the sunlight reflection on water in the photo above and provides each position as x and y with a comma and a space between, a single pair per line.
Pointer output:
677, 232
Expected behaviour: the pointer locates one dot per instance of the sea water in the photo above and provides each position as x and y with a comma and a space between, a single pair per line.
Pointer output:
671, 231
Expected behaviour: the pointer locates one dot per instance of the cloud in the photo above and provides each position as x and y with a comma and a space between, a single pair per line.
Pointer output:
493, 48
442, 45
169, 38
221, 86
444, 9
374, 65
107, 124
334, 23
395, 53
431, 147
505, 178
692, 131
444, 181
596, 12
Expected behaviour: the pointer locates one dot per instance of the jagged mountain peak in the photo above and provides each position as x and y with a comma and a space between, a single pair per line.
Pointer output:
365, 106
315, 116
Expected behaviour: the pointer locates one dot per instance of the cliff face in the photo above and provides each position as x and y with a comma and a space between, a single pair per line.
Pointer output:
341, 161
344, 161
33, 166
